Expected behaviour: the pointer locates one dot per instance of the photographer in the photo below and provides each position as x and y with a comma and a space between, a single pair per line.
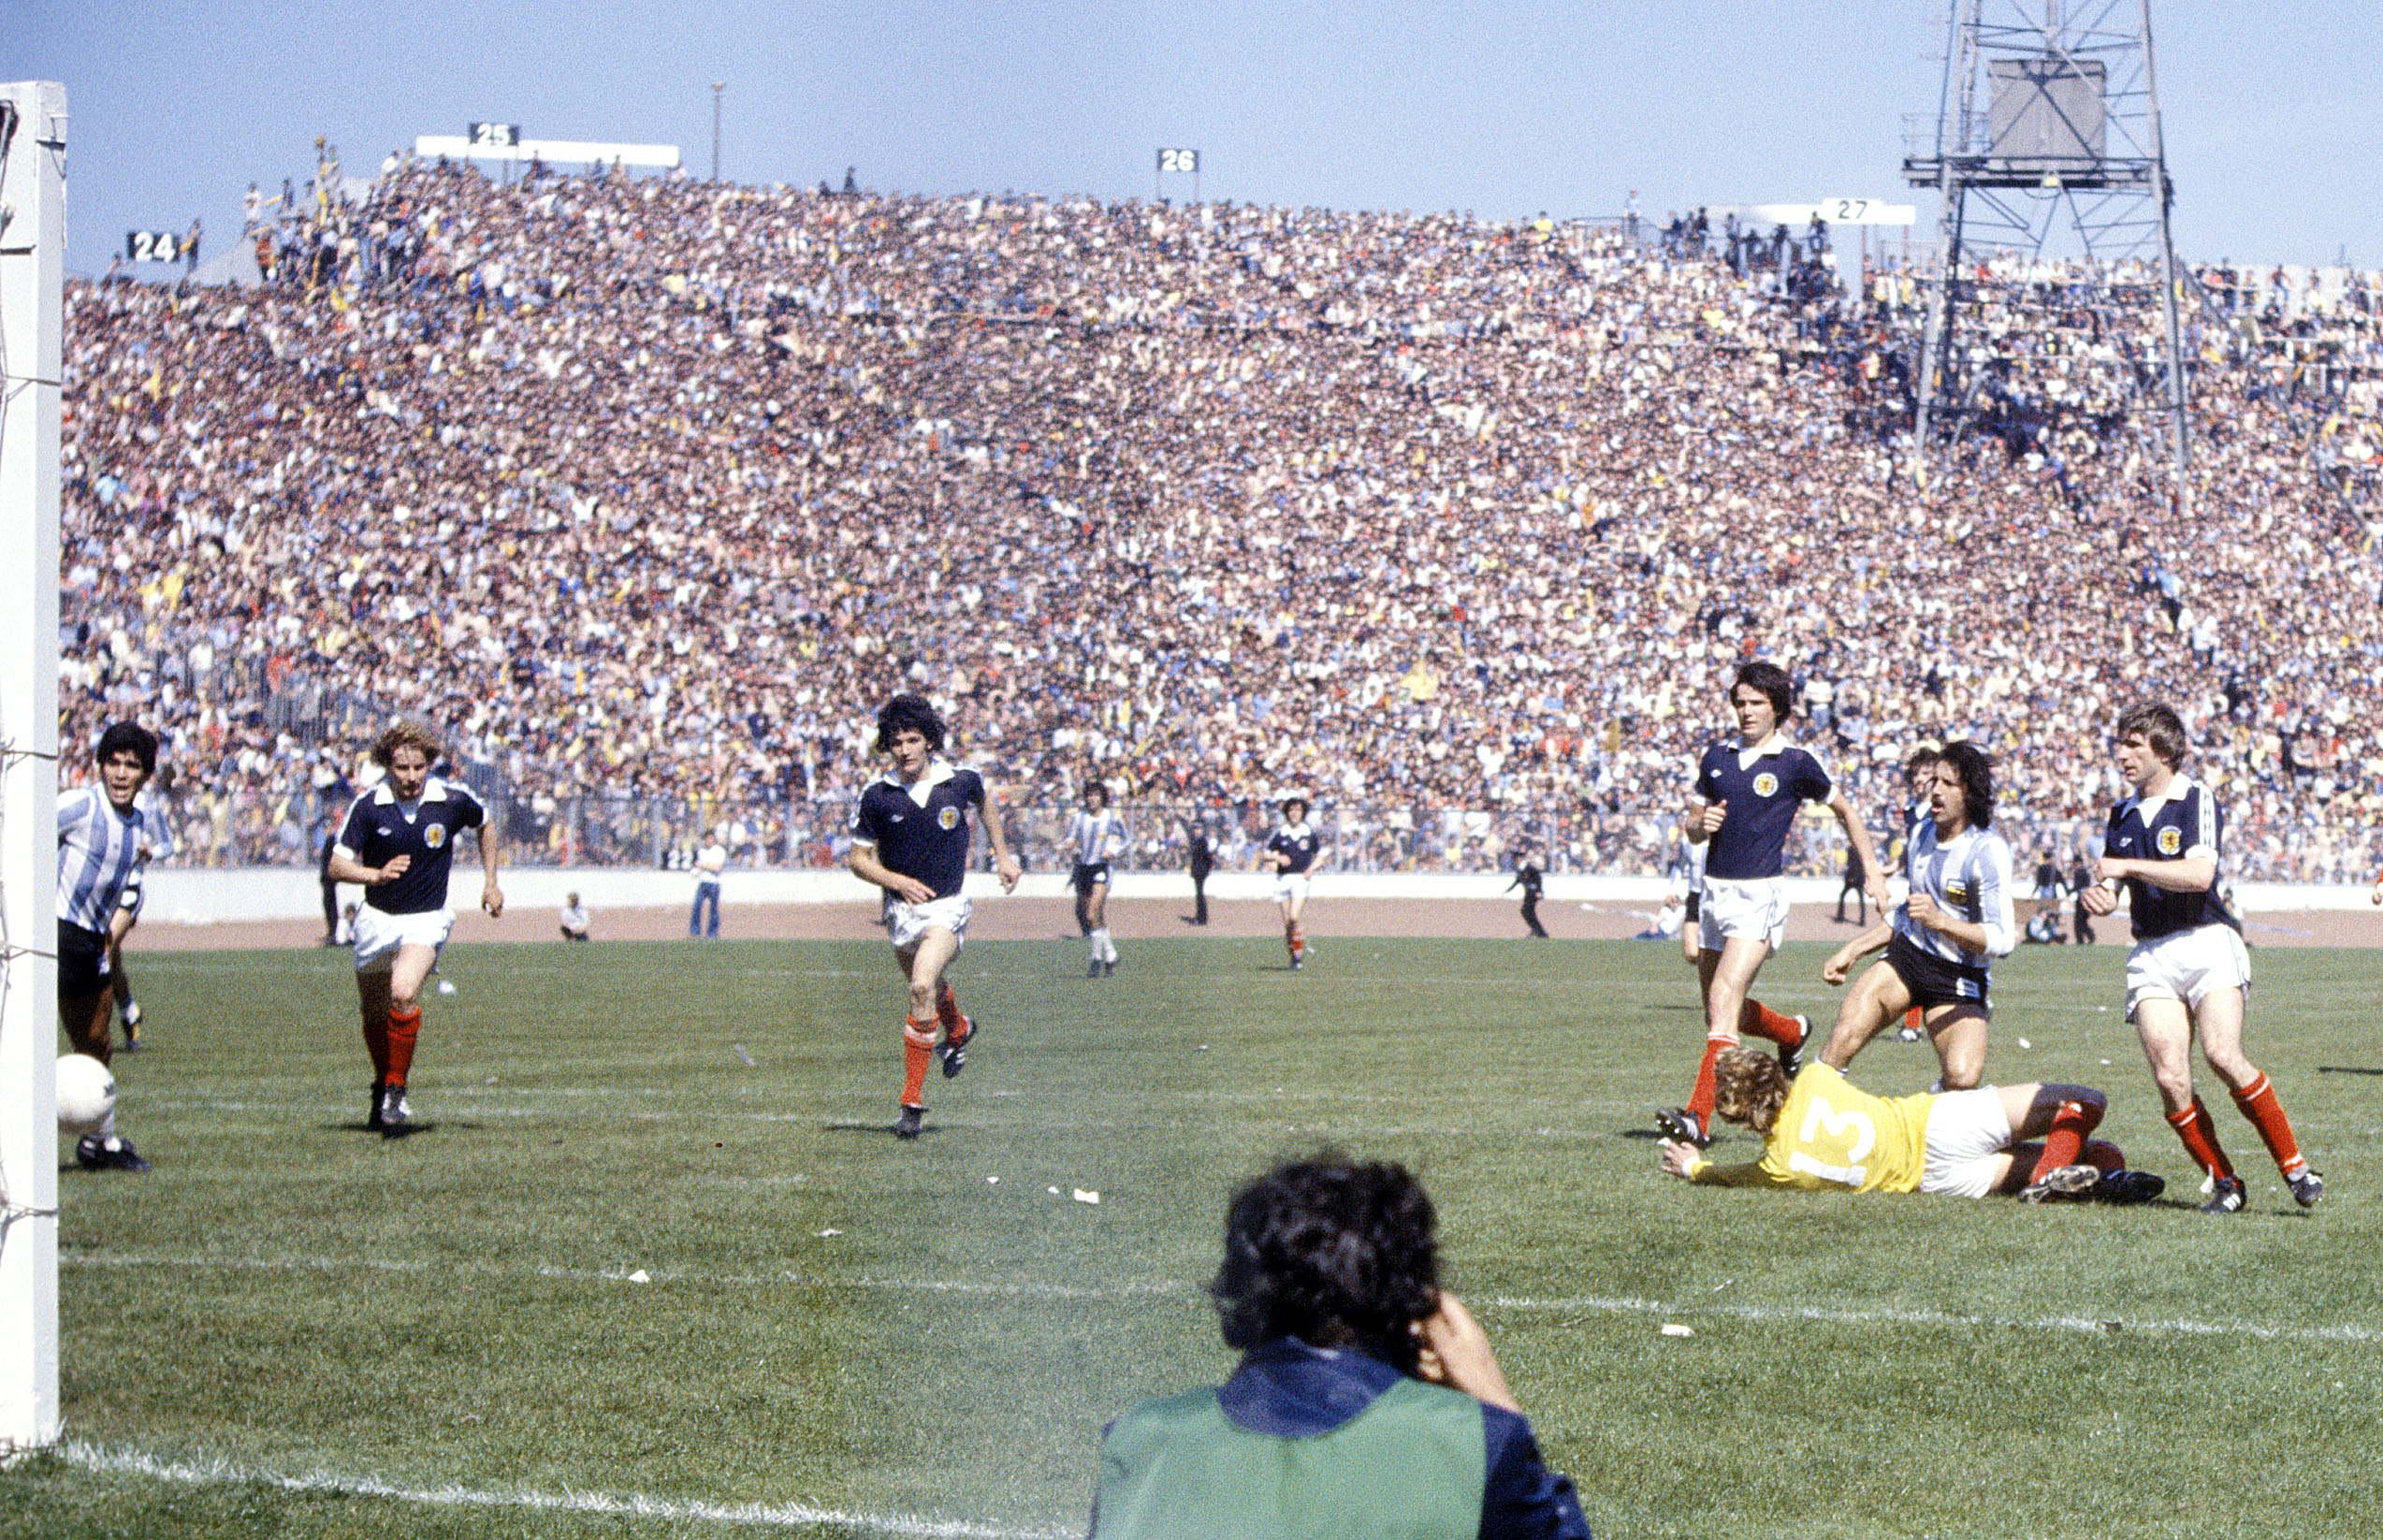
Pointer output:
1367, 1400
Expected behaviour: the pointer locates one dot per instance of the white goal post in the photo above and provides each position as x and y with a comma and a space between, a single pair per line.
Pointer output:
33, 241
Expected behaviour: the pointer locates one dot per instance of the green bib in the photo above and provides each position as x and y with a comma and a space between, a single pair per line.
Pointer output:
1411, 1466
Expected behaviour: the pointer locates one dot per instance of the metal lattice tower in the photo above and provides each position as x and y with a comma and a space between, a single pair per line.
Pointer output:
2047, 134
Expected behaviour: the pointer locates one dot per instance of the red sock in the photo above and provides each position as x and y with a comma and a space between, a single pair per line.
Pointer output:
956, 1027
1915, 1020
1700, 1101
1297, 938
2200, 1135
2258, 1104
1759, 1020
918, 1049
403, 1024
2103, 1155
376, 1043
2071, 1123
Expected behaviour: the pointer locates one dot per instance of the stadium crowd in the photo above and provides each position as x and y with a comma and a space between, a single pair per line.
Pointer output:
652, 489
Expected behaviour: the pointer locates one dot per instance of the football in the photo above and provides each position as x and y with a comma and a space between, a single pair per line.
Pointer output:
86, 1092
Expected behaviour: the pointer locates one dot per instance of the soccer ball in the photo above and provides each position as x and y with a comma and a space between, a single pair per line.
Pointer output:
86, 1092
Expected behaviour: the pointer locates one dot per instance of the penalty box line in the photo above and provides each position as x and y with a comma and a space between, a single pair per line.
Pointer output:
1771, 1314
93, 1457
1159, 1290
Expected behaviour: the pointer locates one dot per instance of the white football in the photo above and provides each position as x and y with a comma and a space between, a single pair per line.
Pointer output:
86, 1092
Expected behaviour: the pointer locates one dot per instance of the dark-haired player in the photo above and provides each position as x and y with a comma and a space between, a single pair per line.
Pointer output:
1822, 1133
1094, 835
102, 833
2189, 972
1747, 793
399, 841
1941, 942
1368, 1400
1291, 854
910, 837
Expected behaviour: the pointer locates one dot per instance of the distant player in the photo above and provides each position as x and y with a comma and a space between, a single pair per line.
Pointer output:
1943, 940
571, 918
102, 831
399, 841
2189, 972
910, 837
1822, 1133
1747, 797
1291, 854
1094, 835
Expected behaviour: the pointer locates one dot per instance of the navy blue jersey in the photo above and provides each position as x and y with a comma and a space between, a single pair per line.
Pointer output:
1297, 841
921, 831
2182, 821
379, 829
1763, 795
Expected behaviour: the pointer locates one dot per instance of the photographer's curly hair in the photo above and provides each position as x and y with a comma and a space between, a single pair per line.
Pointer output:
1334, 1252
1749, 1088
908, 713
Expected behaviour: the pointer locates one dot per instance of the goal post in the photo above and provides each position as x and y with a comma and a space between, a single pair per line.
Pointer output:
33, 237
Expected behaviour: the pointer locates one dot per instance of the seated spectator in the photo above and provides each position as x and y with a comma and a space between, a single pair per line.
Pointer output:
1367, 1402
573, 919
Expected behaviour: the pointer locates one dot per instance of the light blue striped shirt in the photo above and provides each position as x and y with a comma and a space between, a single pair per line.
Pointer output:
98, 850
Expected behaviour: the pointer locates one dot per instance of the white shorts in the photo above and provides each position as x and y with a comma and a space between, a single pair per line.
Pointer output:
908, 924
379, 935
1967, 1130
1290, 887
2187, 966
1756, 909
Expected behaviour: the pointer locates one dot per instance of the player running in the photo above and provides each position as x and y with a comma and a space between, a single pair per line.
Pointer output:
1094, 835
1747, 797
399, 841
2189, 972
102, 833
1822, 1133
910, 837
1941, 942
1290, 852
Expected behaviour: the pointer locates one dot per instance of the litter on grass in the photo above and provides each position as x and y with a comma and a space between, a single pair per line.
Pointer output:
1673, 1329
1083, 1196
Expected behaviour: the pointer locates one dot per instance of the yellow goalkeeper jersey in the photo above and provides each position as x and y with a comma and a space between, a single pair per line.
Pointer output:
1832, 1134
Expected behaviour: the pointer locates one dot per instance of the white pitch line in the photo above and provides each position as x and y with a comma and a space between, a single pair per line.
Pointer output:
633, 1505
2097, 1326
1164, 1288
1027, 1290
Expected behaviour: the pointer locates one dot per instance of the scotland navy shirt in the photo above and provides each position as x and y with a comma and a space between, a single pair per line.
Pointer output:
1297, 841
2181, 822
379, 829
921, 831
1763, 787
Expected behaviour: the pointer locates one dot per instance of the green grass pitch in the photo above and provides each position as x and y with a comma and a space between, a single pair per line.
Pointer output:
294, 1329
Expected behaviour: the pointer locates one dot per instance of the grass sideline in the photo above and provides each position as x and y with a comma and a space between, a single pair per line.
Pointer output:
295, 1328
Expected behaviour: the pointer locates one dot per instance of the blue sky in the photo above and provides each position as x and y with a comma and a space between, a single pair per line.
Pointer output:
2273, 116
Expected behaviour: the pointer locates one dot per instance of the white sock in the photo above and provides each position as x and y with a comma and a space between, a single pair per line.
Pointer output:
1102, 947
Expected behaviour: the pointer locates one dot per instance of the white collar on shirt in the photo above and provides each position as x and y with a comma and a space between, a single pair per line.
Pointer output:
433, 789
1771, 744
2178, 784
938, 771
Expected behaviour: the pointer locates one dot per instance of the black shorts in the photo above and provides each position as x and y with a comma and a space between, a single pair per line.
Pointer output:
1087, 875
82, 960
1931, 979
